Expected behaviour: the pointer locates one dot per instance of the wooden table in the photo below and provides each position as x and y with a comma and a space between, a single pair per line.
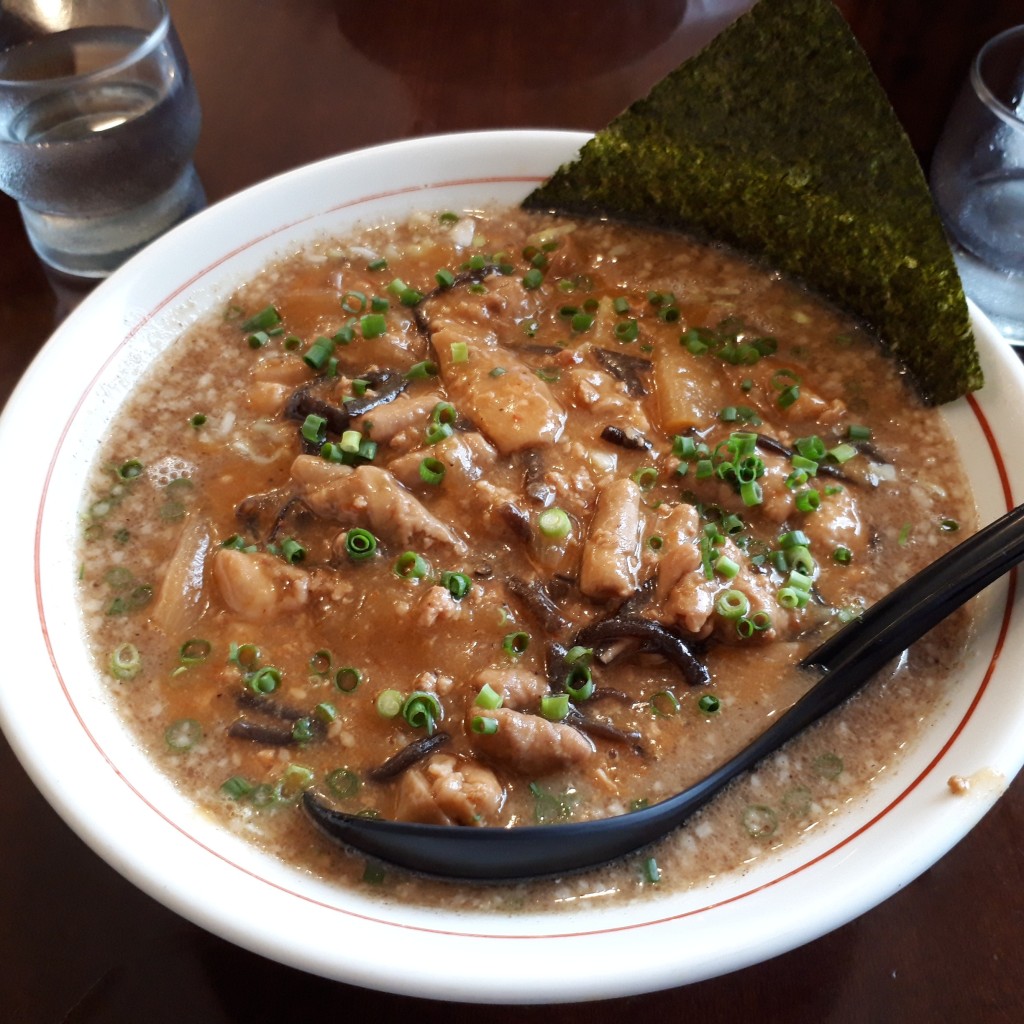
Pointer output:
283, 82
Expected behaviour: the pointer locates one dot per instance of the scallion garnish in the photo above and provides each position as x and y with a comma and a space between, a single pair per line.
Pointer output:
125, 661
360, 544
515, 644
411, 566
347, 679
554, 523
432, 471
422, 710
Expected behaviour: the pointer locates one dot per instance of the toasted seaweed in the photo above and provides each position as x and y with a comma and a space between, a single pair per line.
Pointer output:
778, 140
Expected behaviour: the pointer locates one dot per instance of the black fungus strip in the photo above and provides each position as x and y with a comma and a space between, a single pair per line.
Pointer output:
629, 437
555, 667
625, 368
385, 386
538, 603
610, 693
654, 638
517, 521
259, 509
407, 757
282, 516
301, 404
596, 728
534, 483
268, 706
261, 732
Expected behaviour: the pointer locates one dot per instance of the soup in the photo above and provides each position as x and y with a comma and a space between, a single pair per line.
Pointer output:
494, 518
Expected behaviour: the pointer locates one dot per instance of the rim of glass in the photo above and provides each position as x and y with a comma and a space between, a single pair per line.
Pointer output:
985, 94
154, 38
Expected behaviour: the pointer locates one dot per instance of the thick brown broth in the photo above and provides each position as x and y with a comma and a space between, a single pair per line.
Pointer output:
614, 425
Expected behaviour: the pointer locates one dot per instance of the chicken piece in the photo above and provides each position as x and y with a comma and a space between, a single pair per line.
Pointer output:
611, 552
502, 396
466, 458
257, 586
401, 423
437, 605
372, 495
679, 553
449, 791
528, 743
690, 602
518, 687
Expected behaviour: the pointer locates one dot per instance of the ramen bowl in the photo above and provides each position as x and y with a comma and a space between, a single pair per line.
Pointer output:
92, 770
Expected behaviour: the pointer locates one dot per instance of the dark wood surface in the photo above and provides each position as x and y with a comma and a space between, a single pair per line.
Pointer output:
283, 82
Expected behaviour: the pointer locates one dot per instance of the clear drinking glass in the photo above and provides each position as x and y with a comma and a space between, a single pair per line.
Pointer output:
977, 178
98, 123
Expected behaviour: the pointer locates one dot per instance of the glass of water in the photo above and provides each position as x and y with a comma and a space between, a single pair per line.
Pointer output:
977, 178
98, 123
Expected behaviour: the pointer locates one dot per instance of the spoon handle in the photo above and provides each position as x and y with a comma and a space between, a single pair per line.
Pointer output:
849, 659
903, 616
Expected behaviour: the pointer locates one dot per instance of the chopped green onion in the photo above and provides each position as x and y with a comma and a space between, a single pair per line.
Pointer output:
314, 429
422, 710
627, 330
810, 447
372, 325
457, 584
303, 729
664, 704
237, 787
732, 604
411, 566
263, 320
318, 353
432, 471
125, 661
183, 734
129, 470
515, 644
760, 821
904, 536
378, 264
856, 432
353, 302
459, 352
949, 526
320, 663
554, 706
444, 278
421, 370
360, 544
245, 656
645, 477
198, 420
533, 279
483, 725
807, 501
554, 523
326, 712
709, 704
579, 683
343, 783
652, 873
489, 698
389, 703
194, 651
264, 680
842, 555
292, 551
726, 567
347, 679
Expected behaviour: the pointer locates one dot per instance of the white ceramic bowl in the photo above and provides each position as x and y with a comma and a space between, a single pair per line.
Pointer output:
93, 774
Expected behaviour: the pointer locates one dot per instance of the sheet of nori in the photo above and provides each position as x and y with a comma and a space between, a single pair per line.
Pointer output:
778, 140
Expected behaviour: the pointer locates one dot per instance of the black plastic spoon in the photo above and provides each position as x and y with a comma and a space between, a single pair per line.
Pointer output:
845, 662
